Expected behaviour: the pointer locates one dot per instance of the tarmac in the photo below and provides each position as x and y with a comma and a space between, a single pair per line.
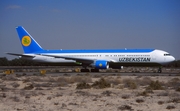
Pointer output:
68, 71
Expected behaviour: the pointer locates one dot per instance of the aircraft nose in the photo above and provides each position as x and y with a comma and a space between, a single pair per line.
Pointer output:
169, 59
173, 58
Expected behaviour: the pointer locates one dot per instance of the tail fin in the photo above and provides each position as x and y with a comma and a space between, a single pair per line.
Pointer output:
28, 43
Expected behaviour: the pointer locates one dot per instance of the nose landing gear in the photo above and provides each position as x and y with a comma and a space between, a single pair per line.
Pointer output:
160, 70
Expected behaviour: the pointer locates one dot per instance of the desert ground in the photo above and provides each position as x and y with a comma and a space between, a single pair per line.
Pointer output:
89, 92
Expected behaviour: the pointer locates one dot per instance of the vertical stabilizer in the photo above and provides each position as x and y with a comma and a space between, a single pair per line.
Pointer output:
28, 43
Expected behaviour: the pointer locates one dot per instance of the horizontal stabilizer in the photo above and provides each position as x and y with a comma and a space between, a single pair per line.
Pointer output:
15, 54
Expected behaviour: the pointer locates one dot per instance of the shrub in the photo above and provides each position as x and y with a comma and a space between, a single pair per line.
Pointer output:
18, 75
15, 85
96, 75
175, 79
27, 96
38, 79
160, 102
24, 74
155, 85
62, 81
56, 103
125, 107
26, 80
83, 85
144, 81
82, 93
175, 100
163, 94
114, 81
175, 83
15, 99
125, 96
38, 88
29, 87
130, 83
49, 98
170, 107
72, 104
107, 93
74, 79
9, 78
3, 95
144, 93
139, 100
58, 95
63, 105
102, 83
50, 79
149, 90
178, 89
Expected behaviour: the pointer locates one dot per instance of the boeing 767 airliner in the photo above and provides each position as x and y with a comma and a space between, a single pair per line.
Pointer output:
96, 59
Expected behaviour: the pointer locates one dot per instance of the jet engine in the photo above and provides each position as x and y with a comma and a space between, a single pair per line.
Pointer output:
100, 64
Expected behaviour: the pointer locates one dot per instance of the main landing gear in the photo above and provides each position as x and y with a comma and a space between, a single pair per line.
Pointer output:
85, 69
91, 70
94, 70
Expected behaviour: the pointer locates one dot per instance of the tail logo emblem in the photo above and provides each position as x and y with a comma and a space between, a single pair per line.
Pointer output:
26, 41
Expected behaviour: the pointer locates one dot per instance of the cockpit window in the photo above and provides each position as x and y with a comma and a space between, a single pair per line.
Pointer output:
167, 54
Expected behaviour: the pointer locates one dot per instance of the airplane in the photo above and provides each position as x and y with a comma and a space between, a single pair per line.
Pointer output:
94, 59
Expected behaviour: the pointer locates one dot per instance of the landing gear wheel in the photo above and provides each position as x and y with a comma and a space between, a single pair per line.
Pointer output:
160, 70
94, 70
84, 70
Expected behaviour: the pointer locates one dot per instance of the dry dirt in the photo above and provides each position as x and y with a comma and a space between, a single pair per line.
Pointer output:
60, 93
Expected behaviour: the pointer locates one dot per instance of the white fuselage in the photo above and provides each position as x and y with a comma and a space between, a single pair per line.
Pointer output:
156, 56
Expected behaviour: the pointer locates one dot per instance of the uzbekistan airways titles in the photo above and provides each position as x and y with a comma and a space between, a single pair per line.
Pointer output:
131, 59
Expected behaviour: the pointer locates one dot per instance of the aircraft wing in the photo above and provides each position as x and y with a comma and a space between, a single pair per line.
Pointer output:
81, 60
22, 55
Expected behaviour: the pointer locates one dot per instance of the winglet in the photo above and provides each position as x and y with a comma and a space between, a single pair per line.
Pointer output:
28, 43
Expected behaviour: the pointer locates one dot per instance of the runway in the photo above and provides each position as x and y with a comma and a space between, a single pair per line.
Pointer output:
68, 71
95, 74
113, 74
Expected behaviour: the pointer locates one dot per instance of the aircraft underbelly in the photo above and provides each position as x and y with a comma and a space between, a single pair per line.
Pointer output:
135, 64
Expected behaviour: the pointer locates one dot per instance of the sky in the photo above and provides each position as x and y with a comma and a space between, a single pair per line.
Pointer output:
92, 24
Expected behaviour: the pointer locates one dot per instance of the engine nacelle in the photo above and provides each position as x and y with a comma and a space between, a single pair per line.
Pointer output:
101, 64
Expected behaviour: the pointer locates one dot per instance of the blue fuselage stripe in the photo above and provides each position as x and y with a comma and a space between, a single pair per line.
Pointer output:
98, 51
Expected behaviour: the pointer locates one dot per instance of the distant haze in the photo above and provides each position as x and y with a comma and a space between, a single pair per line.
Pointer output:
92, 24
